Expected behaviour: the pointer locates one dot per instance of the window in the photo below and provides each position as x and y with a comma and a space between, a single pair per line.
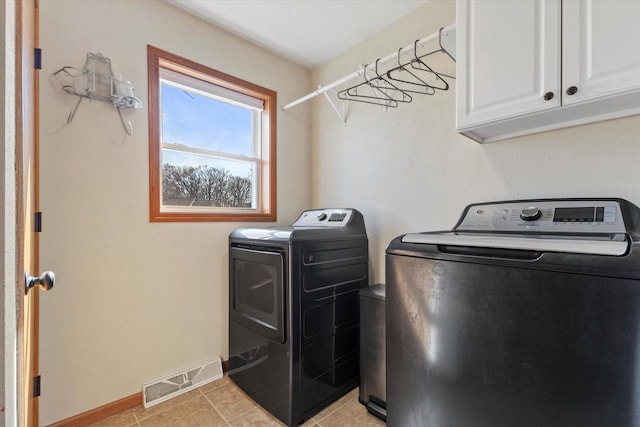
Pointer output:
212, 144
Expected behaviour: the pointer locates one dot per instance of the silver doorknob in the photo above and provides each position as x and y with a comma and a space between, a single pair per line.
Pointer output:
46, 281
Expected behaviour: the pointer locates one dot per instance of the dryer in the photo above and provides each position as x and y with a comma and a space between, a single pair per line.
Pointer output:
294, 311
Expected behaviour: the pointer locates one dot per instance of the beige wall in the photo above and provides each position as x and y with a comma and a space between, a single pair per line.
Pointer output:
407, 170
135, 300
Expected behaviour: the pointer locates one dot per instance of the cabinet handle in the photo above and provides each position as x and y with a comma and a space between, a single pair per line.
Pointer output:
572, 90
548, 96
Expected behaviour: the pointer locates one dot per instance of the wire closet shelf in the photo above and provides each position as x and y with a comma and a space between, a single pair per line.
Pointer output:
394, 79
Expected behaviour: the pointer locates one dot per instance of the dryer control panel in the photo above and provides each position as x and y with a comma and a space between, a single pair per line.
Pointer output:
548, 216
324, 218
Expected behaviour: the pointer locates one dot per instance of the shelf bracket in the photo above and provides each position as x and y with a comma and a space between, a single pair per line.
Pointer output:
343, 116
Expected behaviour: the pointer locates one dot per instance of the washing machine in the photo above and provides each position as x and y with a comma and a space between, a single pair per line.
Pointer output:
526, 313
294, 311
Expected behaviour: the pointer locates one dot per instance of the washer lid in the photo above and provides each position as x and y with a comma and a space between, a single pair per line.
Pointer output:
614, 244
579, 226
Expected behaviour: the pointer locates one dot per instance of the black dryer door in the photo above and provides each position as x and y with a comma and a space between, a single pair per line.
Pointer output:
256, 290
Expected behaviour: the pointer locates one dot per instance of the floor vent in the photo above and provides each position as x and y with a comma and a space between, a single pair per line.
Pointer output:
180, 382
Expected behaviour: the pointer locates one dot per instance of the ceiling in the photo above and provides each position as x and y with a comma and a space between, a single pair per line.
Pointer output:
307, 32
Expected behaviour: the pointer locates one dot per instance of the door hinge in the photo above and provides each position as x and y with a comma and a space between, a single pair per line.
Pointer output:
37, 223
37, 59
36, 386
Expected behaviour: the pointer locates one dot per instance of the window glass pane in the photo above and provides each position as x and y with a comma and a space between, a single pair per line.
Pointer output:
194, 120
194, 180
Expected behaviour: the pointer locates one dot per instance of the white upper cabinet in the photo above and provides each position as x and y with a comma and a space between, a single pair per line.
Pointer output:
510, 58
529, 66
600, 47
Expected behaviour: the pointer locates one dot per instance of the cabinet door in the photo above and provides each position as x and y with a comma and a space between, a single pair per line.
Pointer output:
508, 59
601, 48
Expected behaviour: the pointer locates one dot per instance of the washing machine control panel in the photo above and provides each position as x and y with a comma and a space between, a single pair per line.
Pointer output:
324, 218
552, 216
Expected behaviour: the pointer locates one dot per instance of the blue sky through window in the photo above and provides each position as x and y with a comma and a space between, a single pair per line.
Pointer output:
198, 121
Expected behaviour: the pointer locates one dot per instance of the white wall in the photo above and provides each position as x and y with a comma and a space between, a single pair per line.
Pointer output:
407, 170
135, 300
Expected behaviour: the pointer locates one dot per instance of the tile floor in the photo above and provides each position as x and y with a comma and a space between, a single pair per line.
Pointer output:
222, 403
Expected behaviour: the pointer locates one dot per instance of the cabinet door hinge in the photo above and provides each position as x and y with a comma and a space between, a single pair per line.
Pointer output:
37, 223
36, 386
37, 59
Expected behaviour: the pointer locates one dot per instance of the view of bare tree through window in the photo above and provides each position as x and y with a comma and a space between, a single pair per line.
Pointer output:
212, 144
204, 186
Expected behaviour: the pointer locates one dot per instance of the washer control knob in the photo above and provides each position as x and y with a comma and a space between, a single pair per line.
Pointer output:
321, 216
530, 213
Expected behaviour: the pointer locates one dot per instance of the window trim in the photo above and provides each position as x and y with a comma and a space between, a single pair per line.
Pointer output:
266, 211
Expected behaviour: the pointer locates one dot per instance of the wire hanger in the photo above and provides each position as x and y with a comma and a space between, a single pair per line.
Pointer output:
388, 86
386, 91
351, 93
416, 86
418, 64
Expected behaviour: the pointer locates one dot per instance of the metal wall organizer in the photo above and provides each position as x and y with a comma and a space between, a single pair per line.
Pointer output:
96, 81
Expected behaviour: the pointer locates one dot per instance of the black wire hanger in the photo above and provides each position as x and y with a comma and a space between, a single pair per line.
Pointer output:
416, 86
383, 99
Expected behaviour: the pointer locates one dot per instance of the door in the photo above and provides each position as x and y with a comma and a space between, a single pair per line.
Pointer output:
508, 61
256, 293
599, 48
27, 205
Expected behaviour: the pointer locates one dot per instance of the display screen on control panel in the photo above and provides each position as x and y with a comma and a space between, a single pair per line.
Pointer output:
337, 217
324, 218
582, 214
